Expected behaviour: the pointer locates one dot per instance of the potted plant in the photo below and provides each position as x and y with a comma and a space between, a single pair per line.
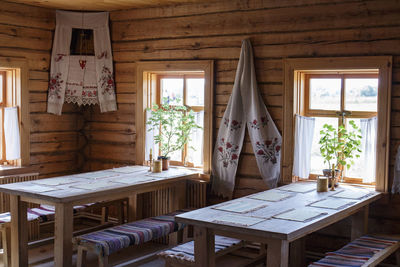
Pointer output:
175, 123
339, 146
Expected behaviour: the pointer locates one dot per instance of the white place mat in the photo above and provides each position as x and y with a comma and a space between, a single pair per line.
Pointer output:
170, 173
241, 220
96, 175
133, 180
34, 188
240, 206
332, 203
272, 195
94, 185
299, 215
299, 187
353, 194
56, 181
131, 169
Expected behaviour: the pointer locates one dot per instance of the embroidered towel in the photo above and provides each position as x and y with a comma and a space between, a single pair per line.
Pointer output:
11, 133
396, 179
245, 108
77, 86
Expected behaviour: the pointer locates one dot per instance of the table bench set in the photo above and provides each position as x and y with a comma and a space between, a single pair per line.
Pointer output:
273, 219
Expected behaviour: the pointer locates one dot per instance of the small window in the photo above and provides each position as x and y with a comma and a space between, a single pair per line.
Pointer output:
82, 42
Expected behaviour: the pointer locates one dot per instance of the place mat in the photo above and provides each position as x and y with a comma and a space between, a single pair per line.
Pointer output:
240, 220
299, 215
353, 194
332, 203
133, 180
240, 206
299, 187
131, 169
96, 175
33, 188
94, 185
272, 195
170, 173
56, 181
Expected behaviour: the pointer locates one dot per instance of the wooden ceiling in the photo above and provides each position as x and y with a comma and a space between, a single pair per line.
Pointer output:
103, 5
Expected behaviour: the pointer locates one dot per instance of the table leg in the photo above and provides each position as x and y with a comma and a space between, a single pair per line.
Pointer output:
204, 251
132, 207
19, 231
297, 253
63, 229
359, 223
179, 201
277, 253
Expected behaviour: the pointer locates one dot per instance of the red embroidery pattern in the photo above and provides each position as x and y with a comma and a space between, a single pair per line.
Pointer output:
104, 54
228, 153
107, 81
82, 63
55, 86
59, 57
268, 150
233, 125
255, 124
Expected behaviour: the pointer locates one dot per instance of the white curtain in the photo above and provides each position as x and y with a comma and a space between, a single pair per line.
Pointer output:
149, 139
368, 148
396, 178
303, 138
11, 133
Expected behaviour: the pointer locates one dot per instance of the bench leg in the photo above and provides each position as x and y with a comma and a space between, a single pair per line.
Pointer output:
104, 215
81, 257
103, 261
173, 239
6, 241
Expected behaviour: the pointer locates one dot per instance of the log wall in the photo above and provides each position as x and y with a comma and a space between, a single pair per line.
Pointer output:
27, 31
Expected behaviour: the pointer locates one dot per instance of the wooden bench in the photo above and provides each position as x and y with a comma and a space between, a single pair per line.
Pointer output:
368, 250
110, 240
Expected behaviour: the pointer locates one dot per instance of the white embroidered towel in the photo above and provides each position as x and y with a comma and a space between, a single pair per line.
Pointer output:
245, 107
396, 178
11, 133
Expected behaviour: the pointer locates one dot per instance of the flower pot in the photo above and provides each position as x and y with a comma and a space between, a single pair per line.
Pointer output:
328, 173
165, 162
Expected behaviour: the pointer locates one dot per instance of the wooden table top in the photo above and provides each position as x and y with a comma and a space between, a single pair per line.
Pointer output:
288, 212
72, 188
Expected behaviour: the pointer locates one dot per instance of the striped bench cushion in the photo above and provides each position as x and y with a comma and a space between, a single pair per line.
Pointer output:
44, 213
356, 253
113, 239
185, 252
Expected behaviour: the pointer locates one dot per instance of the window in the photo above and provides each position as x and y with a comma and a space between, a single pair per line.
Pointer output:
337, 99
189, 81
337, 90
14, 93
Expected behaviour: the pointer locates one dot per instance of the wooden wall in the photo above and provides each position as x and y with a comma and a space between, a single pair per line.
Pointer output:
278, 30
27, 31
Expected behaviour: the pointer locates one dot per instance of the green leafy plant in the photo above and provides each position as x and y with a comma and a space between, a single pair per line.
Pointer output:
175, 123
340, 145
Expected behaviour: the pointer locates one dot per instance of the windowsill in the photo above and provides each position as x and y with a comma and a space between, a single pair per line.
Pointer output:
345, 182
6, 170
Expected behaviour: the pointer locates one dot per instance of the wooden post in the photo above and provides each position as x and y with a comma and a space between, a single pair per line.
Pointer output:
63, 229
204, 247
297, 253
359, 223
132, 207
19, 231
179, 198
277, 253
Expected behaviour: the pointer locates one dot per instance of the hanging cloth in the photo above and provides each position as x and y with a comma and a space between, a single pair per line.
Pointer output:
368, 148
245, 107
11, 133
303, 138
396, 178
81, 80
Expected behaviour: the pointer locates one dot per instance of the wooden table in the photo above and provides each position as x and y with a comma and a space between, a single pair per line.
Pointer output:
67, 191
273, 218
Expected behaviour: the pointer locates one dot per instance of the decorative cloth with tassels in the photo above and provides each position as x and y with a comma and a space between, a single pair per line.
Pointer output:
81, 79
245, 109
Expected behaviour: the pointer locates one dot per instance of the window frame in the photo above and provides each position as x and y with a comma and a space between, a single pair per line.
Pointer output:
158, 93
145, 72
294, 70
308, 112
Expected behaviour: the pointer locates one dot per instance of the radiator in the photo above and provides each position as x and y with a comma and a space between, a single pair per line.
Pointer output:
196, 191
5, 199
